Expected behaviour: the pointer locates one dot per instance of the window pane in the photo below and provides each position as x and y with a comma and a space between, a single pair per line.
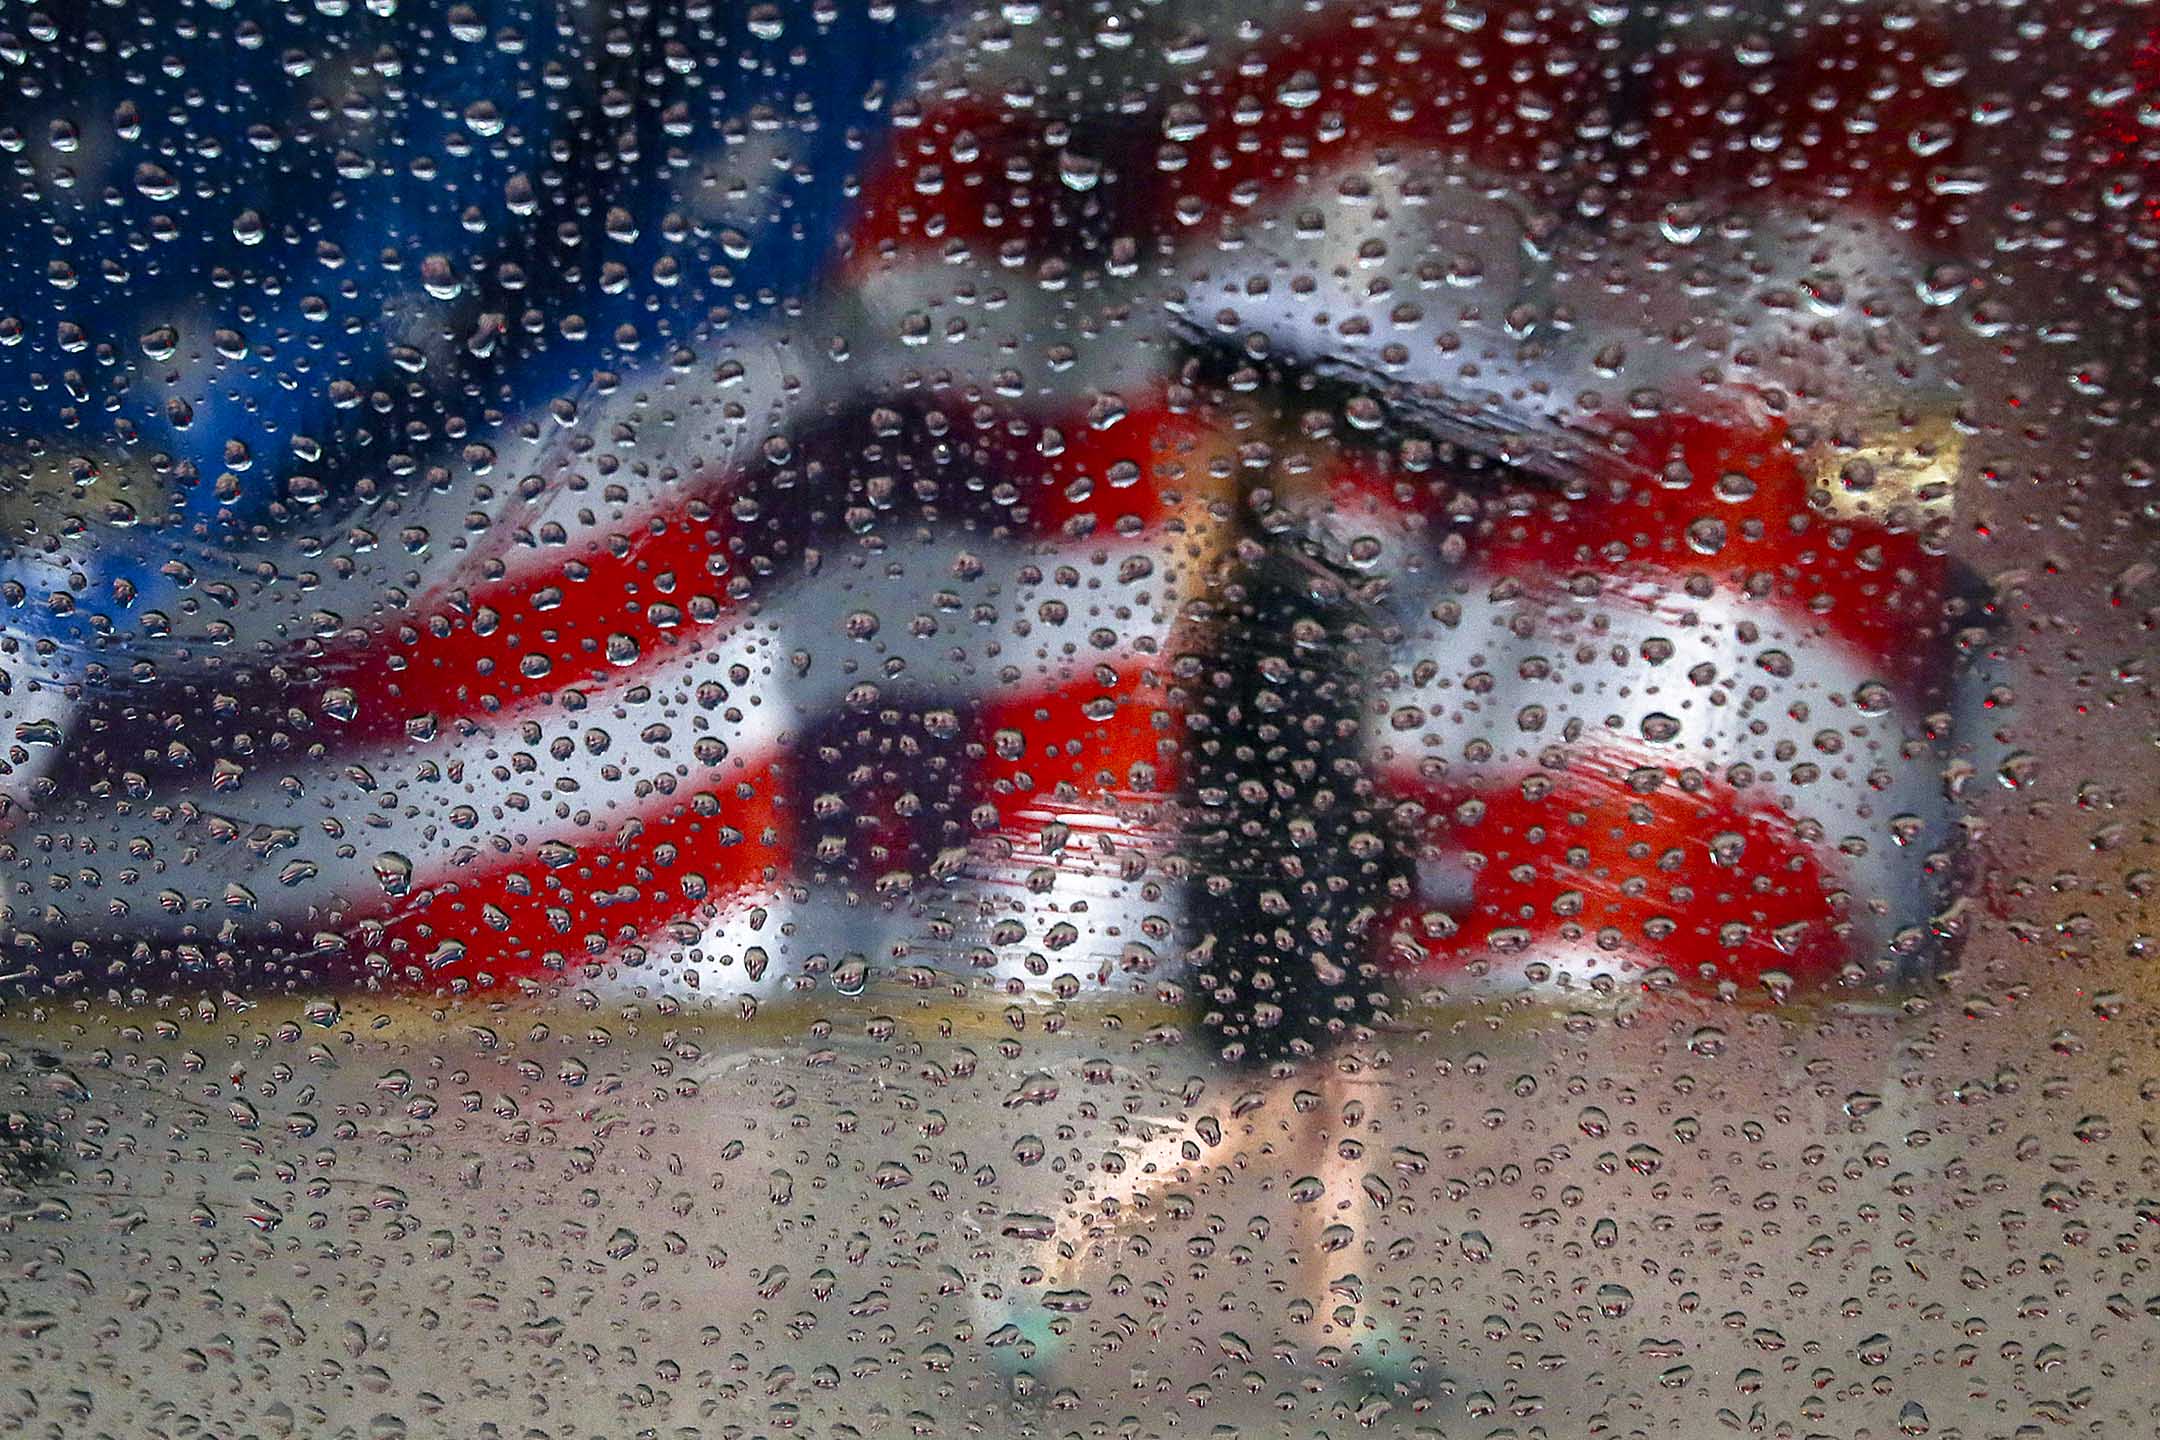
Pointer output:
1112, 720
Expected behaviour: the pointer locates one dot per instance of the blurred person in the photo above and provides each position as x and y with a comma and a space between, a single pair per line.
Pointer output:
1679, 697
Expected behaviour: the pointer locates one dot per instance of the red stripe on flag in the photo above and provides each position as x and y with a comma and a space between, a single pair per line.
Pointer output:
1866, 116
600, 609
1141, 469
1635, 864
1361, 88
1693, 499
686, 860
1095, 745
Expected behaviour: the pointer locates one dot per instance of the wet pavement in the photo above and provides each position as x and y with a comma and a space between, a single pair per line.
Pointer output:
916, 1213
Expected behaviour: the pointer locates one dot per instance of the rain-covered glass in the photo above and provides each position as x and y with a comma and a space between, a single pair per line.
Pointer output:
1131, 718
